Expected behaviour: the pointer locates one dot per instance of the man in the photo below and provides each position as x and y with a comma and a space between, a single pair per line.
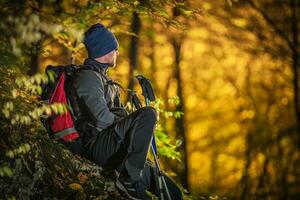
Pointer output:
108, 135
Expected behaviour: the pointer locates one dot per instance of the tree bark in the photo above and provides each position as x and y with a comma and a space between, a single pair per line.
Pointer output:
262, 189
294, 5
133, 52
244, 188
180, 122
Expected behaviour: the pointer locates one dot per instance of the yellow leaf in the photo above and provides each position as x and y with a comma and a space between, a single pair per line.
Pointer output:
48, 111
136, 3
54, 108
27, 147
14, 93
76, 186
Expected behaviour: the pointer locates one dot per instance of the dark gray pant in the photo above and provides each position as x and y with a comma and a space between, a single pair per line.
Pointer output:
124, 146
126, 142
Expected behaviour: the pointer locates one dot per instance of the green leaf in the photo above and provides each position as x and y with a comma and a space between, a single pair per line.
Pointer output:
39, 90
136, 3
10, 154
7, 171
27, 147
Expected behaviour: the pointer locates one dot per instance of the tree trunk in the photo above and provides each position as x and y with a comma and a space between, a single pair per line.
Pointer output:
180, 122
262, 188
293, 45
153, 67
283, 169
133, 52
294, 5
244, 183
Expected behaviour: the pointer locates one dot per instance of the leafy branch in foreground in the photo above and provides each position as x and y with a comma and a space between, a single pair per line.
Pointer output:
166, 145
32, 165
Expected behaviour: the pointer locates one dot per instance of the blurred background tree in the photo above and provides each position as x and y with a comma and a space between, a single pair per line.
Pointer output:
233, 64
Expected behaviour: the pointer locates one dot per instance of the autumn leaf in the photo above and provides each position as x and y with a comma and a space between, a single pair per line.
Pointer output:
82, 177
76, 186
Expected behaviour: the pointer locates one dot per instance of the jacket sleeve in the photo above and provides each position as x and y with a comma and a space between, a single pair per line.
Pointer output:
118, 109
89, 87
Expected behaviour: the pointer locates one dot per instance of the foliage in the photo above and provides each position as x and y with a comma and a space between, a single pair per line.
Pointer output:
166, 147
26, 27
236, 83
19, 104
29, 165
26, 142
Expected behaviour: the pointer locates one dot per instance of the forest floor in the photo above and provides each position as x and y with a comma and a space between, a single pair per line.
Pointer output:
50, 171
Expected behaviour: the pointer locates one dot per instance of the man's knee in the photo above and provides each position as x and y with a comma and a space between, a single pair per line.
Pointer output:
149, 114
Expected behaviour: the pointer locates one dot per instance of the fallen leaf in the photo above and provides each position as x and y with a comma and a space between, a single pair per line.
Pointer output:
82, 177
76, 186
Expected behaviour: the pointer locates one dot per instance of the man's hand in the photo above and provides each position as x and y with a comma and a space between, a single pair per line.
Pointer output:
119, 113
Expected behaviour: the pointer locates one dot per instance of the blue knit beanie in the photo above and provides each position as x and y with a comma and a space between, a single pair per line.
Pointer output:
99, 41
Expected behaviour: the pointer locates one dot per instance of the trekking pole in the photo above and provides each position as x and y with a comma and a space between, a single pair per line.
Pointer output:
149, 96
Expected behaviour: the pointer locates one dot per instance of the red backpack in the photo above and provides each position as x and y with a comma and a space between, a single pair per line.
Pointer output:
60, 126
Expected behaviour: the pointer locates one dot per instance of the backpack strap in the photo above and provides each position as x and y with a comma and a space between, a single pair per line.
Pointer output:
108, 81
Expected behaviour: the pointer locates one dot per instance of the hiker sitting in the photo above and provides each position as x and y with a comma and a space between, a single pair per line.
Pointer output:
109, 136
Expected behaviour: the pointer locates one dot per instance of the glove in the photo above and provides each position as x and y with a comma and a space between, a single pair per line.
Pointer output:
119, 113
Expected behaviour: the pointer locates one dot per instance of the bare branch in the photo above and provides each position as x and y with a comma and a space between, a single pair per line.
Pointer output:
272, 23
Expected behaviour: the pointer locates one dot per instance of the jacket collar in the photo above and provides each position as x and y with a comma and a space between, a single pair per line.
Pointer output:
95, 65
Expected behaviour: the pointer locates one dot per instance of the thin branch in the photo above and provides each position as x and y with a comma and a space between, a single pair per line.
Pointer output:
272, 23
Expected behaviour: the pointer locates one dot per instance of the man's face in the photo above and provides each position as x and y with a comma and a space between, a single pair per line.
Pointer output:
110, 58
115, 54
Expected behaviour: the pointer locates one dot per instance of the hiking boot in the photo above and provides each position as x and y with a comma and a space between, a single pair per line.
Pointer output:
134, 190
